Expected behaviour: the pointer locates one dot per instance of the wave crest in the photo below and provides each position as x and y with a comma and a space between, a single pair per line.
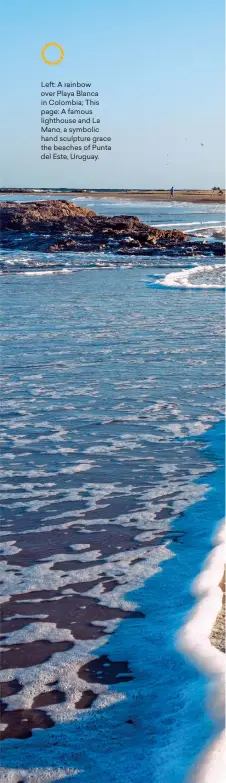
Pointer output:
196, 277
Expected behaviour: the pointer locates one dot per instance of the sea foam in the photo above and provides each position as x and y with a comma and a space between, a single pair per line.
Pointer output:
194, 641
211, 276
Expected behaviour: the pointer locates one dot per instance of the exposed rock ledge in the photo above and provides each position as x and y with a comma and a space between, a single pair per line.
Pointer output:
218, 633
52, 226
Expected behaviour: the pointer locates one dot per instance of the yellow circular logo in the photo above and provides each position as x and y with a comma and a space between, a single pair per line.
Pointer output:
52, 62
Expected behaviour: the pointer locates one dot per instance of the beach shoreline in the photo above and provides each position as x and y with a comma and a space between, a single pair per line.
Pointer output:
193, 196
202, 639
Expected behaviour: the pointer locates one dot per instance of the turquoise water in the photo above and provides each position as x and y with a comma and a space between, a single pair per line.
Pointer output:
111, 490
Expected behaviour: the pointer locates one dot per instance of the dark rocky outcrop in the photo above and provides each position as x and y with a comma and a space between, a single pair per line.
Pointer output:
63, 217
59, 225
43, 216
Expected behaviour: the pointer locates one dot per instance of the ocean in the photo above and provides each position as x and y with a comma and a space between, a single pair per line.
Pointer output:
112, 491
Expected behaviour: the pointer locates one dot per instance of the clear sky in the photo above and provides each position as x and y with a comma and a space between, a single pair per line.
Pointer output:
158, 67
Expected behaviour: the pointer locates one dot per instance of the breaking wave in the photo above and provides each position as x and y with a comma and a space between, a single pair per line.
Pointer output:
196, 277
195, 642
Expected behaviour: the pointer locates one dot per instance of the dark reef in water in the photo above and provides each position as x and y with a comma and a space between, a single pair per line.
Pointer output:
52, 226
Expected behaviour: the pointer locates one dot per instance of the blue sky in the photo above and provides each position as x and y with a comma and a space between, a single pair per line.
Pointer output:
158, 67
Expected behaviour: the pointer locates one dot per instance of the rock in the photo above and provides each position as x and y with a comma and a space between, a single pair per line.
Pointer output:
58, 216
66, 244
218, 249
59, 225
43, 216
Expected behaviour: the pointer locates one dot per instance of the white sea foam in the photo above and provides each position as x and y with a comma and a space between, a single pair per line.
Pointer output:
196, 277
47, 272
205, 229
34, 775
200, 223
194, 641
212, 764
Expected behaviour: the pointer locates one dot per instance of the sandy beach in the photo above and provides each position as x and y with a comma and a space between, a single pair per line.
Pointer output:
194, 196
156, 195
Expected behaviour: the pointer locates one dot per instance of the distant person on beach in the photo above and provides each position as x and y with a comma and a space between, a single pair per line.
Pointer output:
171, 191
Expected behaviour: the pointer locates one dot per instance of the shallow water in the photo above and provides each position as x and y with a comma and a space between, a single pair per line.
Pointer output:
113, 385
202, 221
